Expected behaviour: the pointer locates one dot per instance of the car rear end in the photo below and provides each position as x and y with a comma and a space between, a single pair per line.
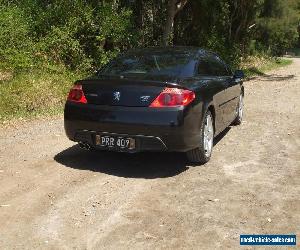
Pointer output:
132, 115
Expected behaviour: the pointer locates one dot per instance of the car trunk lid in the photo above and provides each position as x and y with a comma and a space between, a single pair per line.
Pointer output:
123, 92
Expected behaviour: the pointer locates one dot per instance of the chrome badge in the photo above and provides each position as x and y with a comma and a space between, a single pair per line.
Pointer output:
145, 98
117, 96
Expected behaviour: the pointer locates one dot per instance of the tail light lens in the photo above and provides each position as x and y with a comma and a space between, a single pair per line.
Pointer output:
76, 94
173, 97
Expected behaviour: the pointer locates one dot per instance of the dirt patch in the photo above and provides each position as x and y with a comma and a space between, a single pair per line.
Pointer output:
6, 75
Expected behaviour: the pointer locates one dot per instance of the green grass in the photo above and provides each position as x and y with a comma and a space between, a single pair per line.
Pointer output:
34, 93
259, 67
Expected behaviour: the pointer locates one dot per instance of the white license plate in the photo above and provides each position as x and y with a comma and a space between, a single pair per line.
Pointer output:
115, 142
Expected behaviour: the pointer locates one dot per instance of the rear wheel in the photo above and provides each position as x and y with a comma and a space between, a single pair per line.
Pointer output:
239, 111
202, 154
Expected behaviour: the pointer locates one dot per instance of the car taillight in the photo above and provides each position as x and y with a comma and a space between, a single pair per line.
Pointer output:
173, 97
76, 94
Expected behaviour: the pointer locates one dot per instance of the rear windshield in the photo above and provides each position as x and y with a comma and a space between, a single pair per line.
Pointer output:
165, 63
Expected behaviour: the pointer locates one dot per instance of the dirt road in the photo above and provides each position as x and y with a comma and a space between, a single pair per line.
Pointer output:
55, 196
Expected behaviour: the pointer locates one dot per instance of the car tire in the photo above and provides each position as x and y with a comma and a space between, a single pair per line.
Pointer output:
240, 111
203, 153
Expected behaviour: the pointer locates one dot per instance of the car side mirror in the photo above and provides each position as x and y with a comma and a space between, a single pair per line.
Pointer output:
239, 74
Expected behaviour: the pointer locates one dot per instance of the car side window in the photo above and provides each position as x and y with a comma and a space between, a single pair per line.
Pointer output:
224, 68
229, 70
219, 66
205, 67
212, 65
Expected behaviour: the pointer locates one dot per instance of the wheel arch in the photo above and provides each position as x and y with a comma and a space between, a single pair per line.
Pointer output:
212, 110
209, 106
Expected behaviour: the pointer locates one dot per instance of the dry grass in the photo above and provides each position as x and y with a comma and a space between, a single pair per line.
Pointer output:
256, 65
31, 94
6, 75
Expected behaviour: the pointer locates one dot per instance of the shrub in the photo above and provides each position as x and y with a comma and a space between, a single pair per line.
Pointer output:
16, 47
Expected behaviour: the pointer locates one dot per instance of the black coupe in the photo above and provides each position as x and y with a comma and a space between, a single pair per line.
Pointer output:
156, 99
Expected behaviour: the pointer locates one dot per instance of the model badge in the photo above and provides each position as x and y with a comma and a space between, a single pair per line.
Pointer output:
145, 98
117, 96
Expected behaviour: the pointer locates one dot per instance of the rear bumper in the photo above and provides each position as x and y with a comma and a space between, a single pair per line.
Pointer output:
142, 143
175, 129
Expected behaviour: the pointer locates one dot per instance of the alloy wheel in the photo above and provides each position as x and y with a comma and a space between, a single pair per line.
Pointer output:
208, 135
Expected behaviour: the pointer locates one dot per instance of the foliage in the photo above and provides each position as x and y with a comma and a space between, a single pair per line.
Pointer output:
15, 43
34, 92
89, 37
84, 34
277, 25
78, 34
45, 45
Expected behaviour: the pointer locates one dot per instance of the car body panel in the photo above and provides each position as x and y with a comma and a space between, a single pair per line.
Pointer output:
167, 124
119, 104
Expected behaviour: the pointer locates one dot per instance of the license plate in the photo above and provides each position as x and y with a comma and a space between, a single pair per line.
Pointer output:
115, 142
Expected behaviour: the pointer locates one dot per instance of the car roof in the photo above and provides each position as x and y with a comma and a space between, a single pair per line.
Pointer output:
172, 49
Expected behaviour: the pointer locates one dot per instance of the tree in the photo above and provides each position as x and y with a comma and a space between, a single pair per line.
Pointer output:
84, 34
277, 25
174, 6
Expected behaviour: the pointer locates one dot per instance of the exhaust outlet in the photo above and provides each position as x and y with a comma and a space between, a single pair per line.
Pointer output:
87, 146
84, 146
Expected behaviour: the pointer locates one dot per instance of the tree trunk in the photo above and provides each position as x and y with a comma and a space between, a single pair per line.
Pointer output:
174, 6
299, 35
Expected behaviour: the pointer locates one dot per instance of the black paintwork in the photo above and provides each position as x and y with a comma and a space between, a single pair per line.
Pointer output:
171, 129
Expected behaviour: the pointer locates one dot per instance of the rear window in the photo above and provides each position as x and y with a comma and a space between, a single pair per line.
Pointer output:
170, 64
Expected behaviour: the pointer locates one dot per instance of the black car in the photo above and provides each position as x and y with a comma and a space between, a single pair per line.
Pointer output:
156, 99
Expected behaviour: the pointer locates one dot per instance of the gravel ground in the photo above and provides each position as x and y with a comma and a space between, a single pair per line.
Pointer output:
56, 196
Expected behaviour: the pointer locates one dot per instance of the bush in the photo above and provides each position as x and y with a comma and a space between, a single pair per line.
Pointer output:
78, 34
277, 26
16, 47
60, 46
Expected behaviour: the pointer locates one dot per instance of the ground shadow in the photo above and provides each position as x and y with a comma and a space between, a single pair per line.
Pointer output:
140, 165
255, 71
220, 136
268, 77
276, 78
